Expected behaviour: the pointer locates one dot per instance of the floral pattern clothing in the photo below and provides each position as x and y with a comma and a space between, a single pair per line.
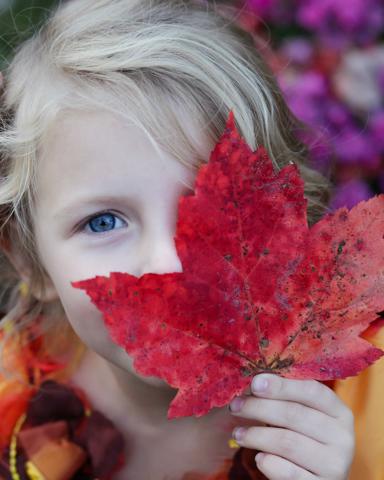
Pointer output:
59, 437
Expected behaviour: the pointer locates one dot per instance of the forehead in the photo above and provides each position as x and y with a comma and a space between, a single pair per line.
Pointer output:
97, 150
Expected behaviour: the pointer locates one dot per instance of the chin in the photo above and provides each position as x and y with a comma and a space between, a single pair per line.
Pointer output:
126, 362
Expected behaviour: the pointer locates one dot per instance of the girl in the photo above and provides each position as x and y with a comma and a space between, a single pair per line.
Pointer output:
108, 112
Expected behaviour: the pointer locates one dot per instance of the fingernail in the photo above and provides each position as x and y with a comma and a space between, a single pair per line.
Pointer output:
259, 384
237, 404
238, 433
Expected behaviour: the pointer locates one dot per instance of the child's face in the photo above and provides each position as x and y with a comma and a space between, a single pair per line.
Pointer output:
87, 156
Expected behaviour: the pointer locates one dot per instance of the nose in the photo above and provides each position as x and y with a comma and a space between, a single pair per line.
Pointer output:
160, 256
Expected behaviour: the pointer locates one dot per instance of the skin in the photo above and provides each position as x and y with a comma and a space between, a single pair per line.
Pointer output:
303, 428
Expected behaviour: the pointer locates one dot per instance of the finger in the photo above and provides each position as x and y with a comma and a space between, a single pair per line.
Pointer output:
307, 392
277, 468
291, 415
295, 447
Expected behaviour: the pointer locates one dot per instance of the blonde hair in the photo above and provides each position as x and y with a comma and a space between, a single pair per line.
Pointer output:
140, 59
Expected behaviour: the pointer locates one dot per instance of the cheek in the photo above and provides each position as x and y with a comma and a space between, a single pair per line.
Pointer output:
87, 322
85, 319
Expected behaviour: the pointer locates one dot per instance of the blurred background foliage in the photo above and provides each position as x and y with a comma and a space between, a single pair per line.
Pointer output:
328, 57
18, 20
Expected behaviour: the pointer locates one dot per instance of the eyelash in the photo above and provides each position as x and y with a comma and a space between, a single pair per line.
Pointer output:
84, 223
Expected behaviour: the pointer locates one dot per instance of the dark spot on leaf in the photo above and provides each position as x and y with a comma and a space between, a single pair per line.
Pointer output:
247, 317
340, 247
228, 257
265, 251
359, 244
260, 365
245, 372
135, 293
245, 250
264, 342
325, 236
110, 292
284, 363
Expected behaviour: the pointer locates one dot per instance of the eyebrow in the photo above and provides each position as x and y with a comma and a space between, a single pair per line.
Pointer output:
72, 208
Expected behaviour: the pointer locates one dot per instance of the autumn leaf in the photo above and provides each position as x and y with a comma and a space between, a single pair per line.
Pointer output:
259, 290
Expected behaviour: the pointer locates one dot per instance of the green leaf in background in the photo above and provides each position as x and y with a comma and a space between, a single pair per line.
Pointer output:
19, 19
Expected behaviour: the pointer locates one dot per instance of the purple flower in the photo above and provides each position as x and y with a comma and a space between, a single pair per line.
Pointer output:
333, 130
264, 8
381, 182
350, 193
275, 11
298, 50
376, 127
305, 94
354, 146
339, 23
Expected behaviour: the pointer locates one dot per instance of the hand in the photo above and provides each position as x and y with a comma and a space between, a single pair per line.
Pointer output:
316, 435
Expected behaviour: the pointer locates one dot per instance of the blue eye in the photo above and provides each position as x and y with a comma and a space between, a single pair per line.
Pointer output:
100, 223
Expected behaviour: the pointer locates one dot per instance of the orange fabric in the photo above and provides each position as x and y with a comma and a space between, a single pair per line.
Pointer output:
364, 395
59, 460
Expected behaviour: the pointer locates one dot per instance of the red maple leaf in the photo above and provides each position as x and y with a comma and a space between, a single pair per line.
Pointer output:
259, 291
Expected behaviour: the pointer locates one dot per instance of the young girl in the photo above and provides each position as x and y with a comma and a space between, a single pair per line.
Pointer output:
108, 111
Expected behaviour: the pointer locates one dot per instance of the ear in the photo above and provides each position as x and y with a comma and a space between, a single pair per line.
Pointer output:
23, 269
